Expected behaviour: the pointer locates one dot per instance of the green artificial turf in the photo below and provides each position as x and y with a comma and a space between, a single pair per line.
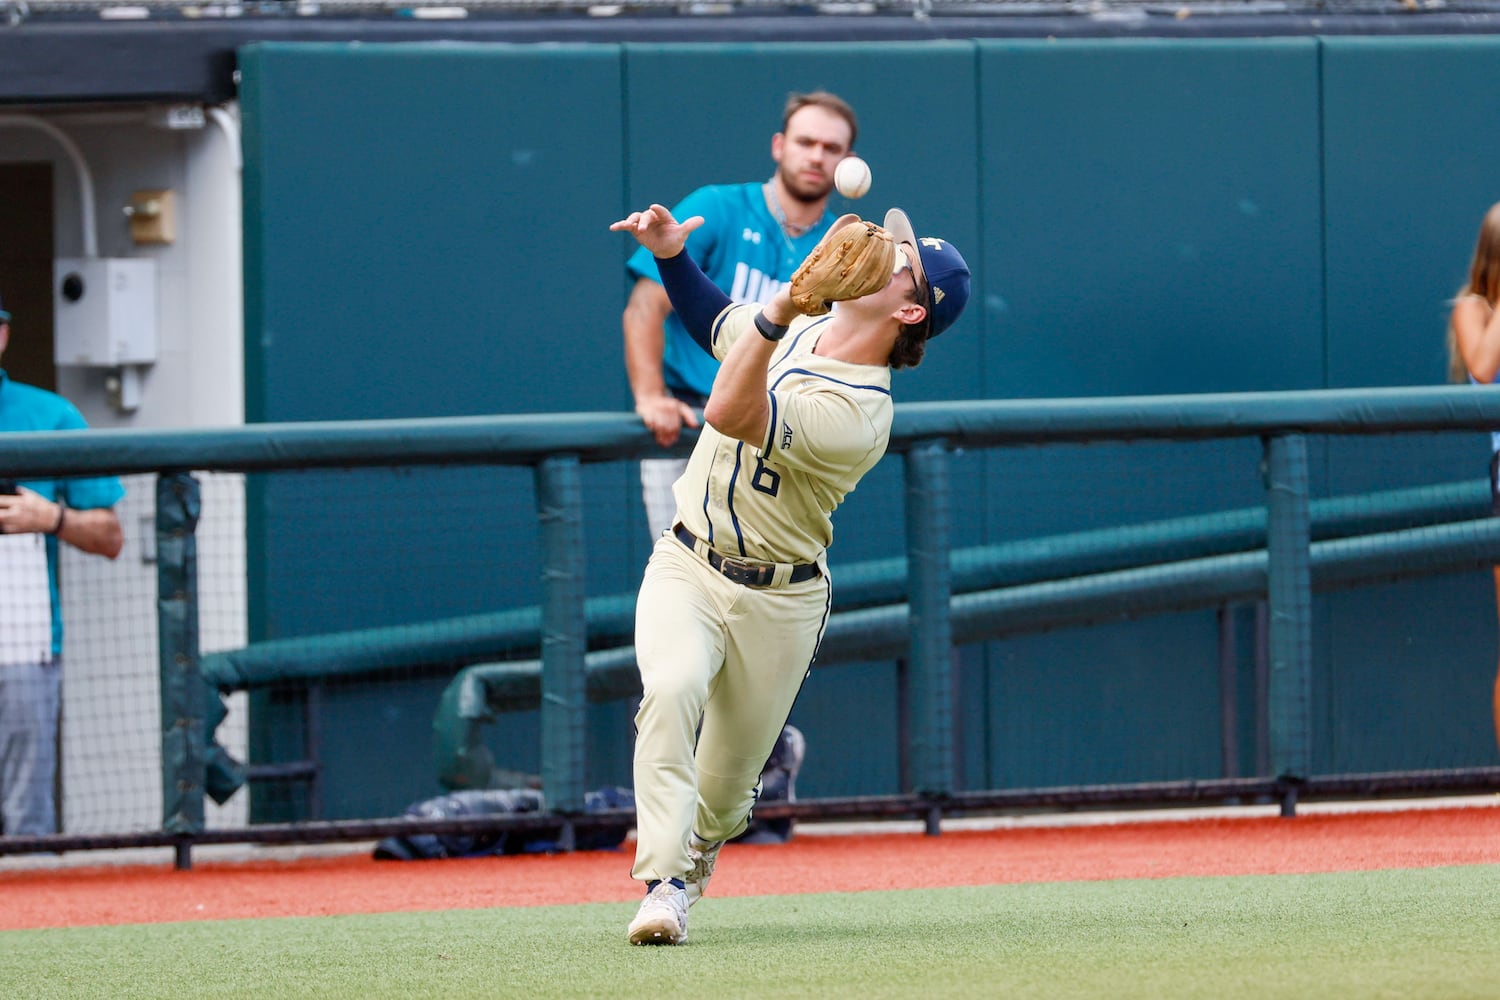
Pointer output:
1401, 934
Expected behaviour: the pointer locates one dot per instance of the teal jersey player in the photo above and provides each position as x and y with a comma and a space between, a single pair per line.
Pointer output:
744, 250
36, 517
27, 408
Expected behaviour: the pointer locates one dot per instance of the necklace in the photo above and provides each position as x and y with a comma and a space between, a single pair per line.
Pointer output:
789, 232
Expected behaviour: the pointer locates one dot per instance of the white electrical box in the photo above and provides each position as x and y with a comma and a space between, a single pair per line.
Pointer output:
105, 311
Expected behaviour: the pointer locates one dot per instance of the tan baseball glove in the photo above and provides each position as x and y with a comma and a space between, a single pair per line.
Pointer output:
853, 260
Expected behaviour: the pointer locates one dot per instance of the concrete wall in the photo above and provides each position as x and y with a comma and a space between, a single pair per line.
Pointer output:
111, 727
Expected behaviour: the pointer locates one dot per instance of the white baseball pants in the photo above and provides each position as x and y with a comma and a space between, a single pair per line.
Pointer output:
731, 657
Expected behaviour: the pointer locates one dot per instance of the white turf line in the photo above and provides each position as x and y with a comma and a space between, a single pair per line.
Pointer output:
1033, 820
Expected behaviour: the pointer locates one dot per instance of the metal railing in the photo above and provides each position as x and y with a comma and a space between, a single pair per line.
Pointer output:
928, 625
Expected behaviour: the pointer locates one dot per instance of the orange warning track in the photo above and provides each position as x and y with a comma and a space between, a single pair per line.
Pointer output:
811, 862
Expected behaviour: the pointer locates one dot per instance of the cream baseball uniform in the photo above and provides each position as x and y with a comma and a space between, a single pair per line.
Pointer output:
731, 655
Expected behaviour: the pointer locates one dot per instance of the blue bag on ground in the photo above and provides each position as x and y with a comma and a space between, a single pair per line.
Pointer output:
496, 802
778, 784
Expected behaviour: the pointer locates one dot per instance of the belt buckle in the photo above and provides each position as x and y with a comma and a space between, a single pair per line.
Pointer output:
745, 574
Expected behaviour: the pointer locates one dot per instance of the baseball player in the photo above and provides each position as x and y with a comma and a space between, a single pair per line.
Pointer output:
758, 233
737, 594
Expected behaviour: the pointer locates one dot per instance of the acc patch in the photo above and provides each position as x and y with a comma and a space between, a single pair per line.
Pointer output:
786, 435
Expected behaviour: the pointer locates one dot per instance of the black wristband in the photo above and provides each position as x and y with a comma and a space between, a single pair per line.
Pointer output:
771, 331
62, 515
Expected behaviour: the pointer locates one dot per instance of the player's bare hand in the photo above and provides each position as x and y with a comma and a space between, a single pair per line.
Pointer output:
665, 417
657, 231
25, 512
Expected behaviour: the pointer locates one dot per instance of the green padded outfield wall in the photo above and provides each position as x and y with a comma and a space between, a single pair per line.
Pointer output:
1141, 200
1409, 169
427, 235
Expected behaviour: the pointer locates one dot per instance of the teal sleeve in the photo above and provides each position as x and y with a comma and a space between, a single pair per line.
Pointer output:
88, 494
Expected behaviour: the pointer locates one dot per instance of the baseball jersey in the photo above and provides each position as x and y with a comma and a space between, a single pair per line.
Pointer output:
830, 422
743, 250
26, 408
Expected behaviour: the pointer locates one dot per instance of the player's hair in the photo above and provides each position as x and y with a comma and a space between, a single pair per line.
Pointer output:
821, 99
1484, 281
911, 342
909, 348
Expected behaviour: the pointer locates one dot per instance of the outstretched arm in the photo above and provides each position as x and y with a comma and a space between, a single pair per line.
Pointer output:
697, 300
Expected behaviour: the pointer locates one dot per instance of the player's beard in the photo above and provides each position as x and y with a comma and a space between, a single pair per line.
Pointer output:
801, 190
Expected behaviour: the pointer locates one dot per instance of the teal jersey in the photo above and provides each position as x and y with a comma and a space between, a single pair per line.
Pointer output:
743, 250
27, 408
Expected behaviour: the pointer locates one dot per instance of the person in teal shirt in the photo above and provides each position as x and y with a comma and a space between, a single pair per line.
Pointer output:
755, 236
35, 516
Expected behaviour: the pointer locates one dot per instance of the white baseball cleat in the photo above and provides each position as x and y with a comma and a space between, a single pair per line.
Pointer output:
662, 918
702, 853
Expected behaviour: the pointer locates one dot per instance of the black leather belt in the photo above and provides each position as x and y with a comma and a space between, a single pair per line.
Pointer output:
746, 574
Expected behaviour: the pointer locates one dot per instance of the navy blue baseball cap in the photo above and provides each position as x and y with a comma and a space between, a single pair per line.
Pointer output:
942, 269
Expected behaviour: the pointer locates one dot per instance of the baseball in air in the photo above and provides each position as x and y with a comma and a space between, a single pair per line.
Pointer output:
852, 177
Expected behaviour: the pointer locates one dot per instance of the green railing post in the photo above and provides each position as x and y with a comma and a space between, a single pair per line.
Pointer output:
1288, 545
929, 586
183, 768
564, 708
